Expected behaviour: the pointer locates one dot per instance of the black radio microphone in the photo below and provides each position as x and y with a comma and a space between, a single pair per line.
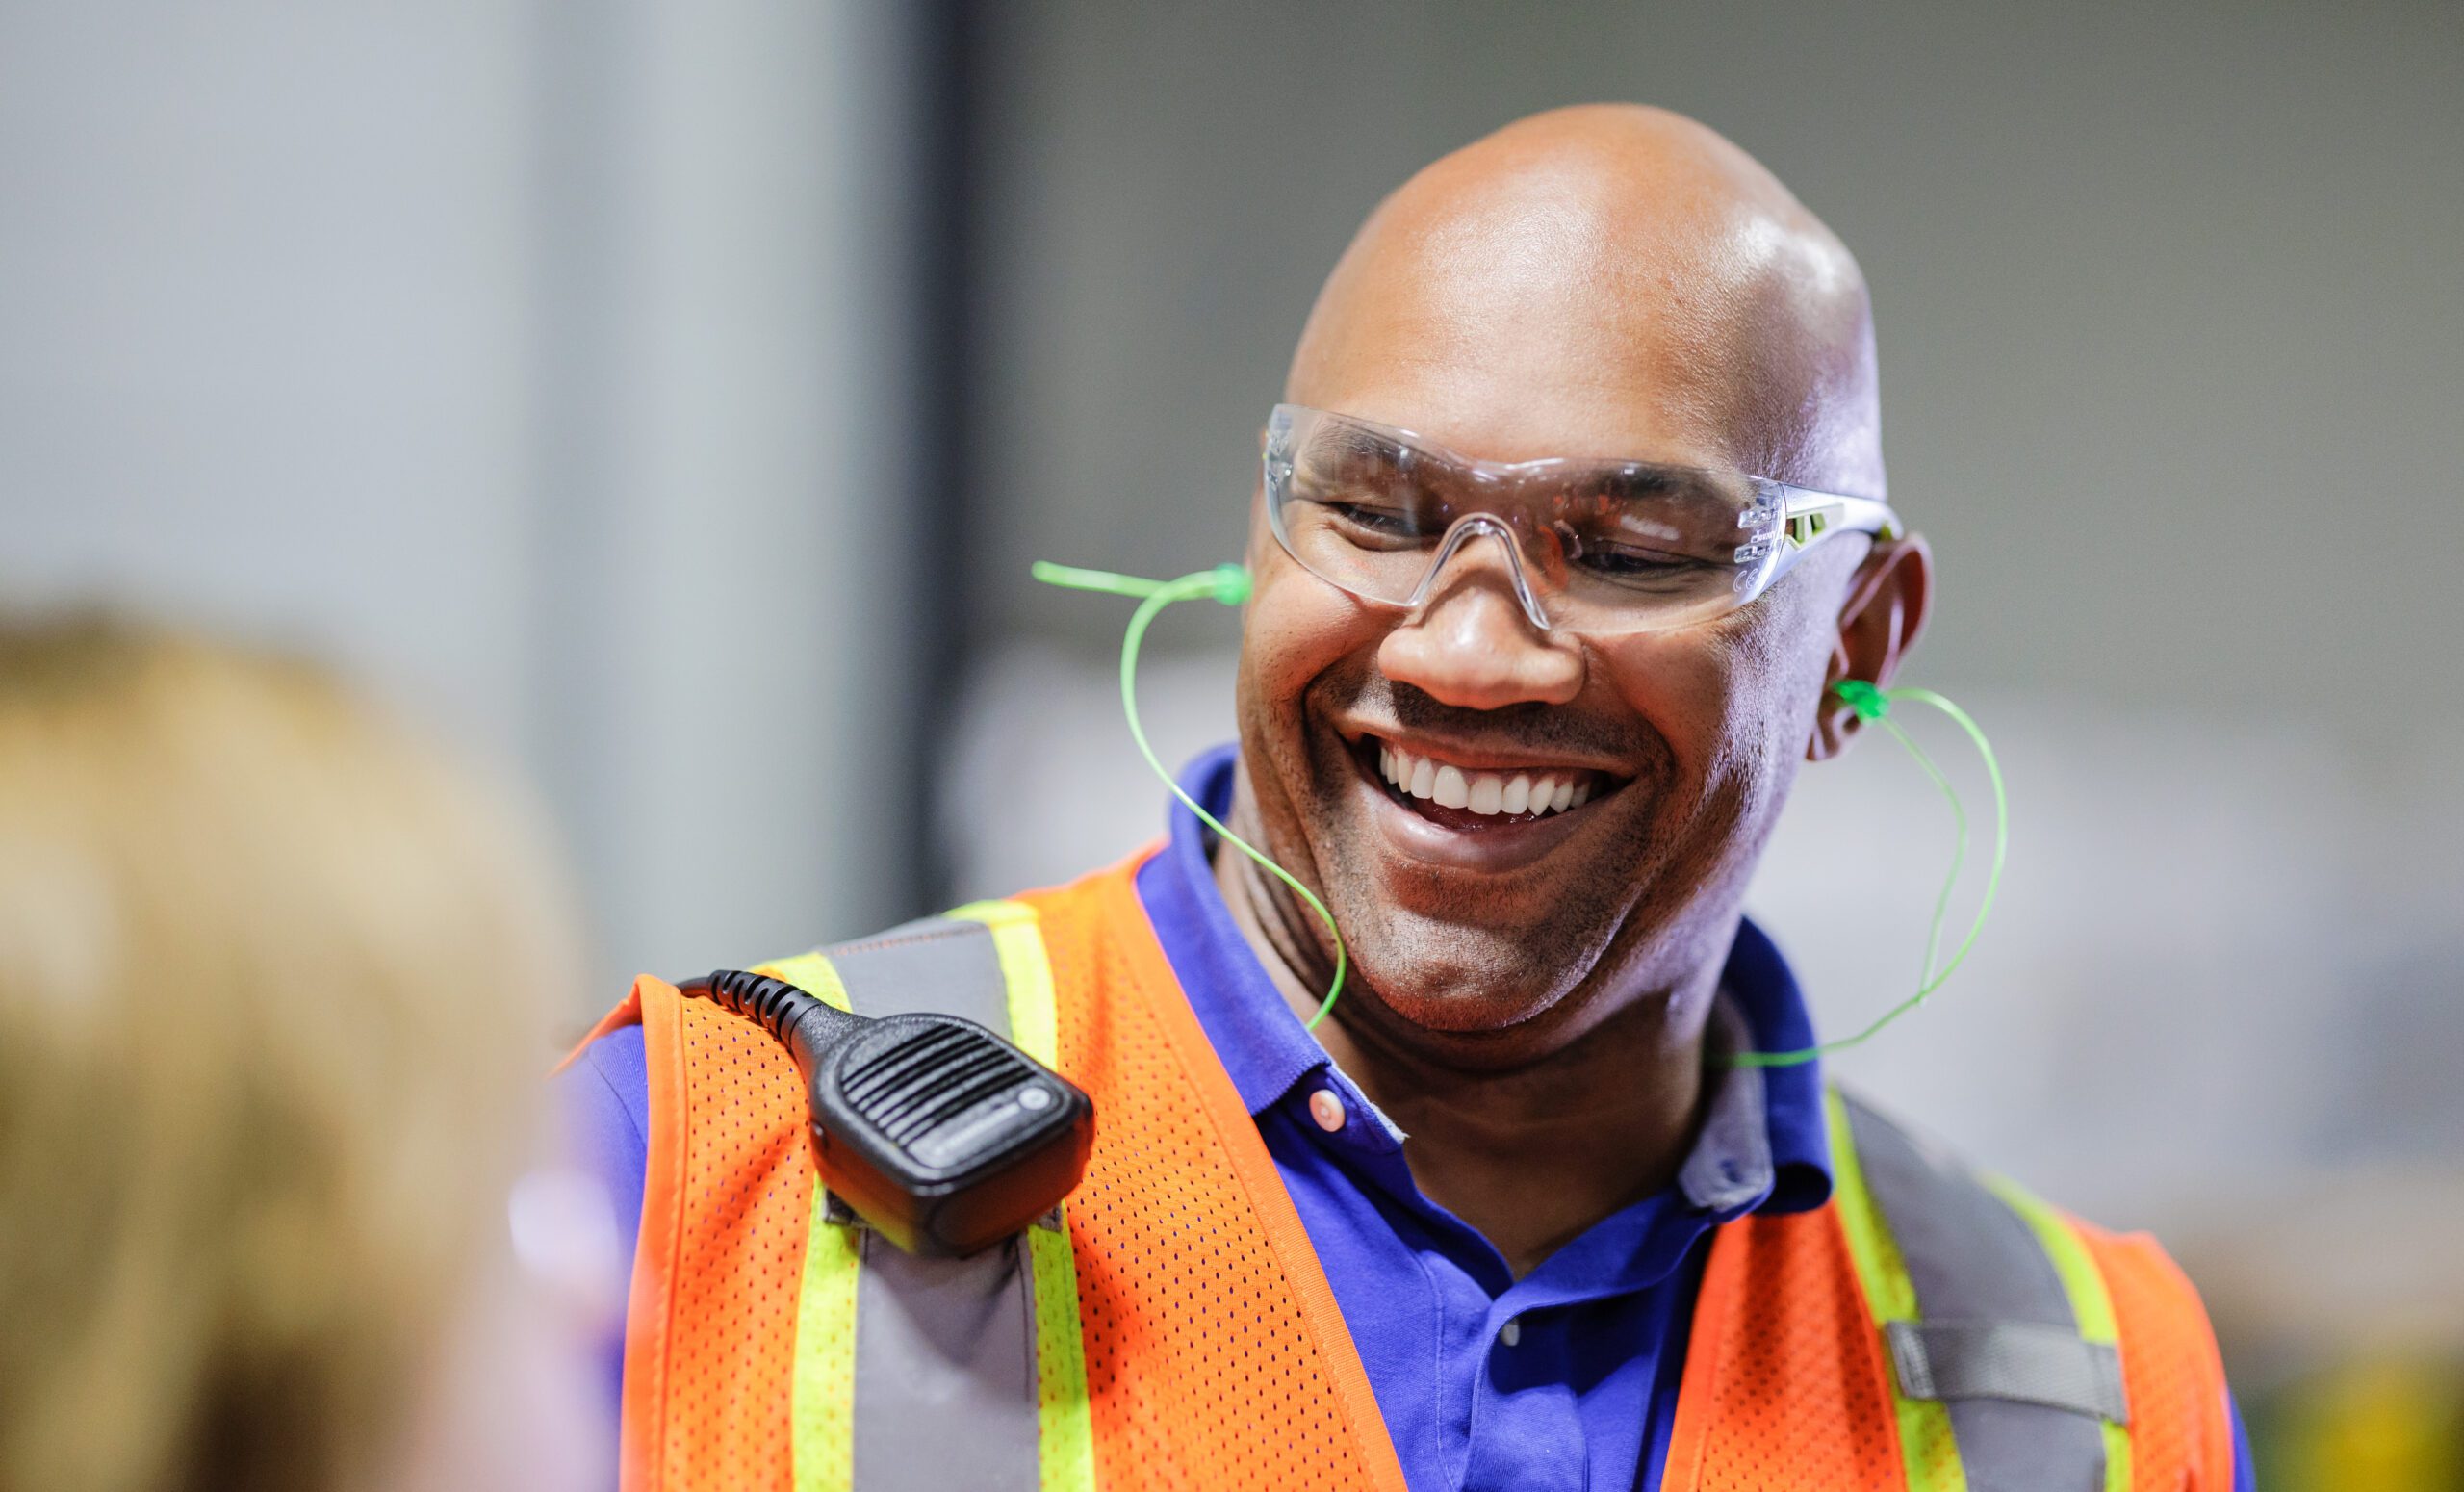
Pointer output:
944, 1137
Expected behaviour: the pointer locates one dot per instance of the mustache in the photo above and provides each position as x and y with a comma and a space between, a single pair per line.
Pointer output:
1532, 725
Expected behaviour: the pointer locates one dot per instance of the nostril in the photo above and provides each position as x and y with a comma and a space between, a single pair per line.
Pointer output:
1480, 667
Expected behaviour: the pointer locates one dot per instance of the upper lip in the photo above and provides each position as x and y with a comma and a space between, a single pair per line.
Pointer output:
1484, 756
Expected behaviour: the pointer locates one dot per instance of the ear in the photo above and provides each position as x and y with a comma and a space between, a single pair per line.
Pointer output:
1880, 621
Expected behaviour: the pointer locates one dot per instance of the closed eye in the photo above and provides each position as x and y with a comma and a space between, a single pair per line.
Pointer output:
1386, 523
1620, 561
1630, 566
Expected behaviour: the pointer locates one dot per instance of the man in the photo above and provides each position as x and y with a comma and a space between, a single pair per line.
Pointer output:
1517, 1215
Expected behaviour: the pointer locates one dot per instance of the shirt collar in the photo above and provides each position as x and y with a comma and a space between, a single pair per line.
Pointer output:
1763, 1142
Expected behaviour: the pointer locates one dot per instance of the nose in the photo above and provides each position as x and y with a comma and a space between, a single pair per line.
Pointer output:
1472, 645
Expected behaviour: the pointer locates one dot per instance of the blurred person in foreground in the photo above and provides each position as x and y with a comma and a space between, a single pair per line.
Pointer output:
272, 984
1569, 543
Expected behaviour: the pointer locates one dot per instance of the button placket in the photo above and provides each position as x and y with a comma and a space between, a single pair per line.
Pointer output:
1511, 1413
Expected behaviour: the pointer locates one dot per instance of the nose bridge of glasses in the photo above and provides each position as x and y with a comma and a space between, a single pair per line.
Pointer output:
1459, 541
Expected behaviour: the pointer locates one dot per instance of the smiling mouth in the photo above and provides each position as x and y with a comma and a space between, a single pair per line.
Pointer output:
1475, 798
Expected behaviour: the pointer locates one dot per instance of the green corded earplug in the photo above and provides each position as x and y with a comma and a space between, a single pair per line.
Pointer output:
1868, 702
1873, 704
1230, 586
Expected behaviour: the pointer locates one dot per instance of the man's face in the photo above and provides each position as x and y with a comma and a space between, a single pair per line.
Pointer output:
1683, 744
1501, 936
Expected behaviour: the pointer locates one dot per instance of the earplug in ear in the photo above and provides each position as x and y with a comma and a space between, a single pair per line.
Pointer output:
1867, 702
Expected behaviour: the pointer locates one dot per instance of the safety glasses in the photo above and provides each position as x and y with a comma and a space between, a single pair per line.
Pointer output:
1590, 546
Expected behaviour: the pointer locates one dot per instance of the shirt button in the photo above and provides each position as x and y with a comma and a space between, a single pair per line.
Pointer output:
1512, 1333
1327, 1109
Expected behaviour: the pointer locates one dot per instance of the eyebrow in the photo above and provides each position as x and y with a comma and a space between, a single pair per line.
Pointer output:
1353, 442
1620, 480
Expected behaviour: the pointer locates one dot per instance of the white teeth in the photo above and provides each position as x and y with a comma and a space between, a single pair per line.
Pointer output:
1486, 793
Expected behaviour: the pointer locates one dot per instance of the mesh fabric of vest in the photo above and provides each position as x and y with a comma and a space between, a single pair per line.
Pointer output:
1786, 1385
2181, 1439
709, 1353
1216, 1356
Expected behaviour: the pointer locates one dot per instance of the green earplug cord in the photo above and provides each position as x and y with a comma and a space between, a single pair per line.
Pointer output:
1230, 586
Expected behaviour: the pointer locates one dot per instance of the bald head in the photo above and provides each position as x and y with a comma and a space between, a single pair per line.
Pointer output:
1609, 280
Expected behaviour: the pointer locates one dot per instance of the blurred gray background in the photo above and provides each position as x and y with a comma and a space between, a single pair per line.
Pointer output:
664, 401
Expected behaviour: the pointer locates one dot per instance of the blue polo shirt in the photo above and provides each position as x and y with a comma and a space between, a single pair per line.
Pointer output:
1566, 1378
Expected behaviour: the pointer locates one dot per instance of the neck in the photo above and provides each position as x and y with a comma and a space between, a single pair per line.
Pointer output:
1529, 1154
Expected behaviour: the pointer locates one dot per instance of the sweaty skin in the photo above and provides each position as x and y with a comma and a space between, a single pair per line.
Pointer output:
1605, 281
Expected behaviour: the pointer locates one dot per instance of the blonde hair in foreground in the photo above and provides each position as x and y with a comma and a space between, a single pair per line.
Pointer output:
269, 975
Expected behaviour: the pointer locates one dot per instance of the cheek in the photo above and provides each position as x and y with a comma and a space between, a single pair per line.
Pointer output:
1297, 628
1775, 671
1682, 686
1724, 697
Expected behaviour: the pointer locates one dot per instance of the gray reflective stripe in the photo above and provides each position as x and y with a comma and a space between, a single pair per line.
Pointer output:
1973, 1259
945, 1350
941, 964
945, 1372
2036, 1364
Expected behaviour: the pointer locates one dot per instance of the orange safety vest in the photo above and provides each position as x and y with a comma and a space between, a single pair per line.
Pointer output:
1925, 1329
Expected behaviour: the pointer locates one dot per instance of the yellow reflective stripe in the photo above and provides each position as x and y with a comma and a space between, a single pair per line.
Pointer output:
2091, 1307
810, 973
822, 1411
2081, 1280
1034, 1024
1927, 1449
2116, 1455
1065, 1432
822, 1407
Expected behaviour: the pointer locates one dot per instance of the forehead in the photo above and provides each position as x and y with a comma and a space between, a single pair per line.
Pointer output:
1537, 322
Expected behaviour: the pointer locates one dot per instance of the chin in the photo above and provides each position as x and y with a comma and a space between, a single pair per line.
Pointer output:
1455, 981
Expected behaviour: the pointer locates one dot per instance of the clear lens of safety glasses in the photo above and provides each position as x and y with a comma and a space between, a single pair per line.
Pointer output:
1592, 546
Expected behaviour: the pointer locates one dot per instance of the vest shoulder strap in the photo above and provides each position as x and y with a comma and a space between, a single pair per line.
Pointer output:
2000, 1337
914, 1373
1173, 1326
1945, 1331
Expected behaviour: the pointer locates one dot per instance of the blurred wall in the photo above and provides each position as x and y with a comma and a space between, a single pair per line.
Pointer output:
533, 359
